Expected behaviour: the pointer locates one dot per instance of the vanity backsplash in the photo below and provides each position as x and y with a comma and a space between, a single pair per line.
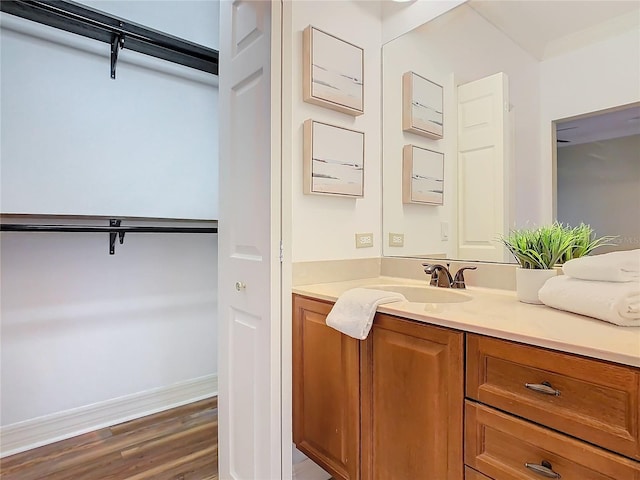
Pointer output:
499, 276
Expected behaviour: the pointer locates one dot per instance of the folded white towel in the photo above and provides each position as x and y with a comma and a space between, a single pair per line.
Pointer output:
613, 302
354, 310
622, 266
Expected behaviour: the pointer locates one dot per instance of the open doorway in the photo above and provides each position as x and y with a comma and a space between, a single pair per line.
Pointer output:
598, 173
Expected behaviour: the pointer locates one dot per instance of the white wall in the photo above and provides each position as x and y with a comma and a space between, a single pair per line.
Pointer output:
451, 50
193, 20
76, 142
596, 77
324, 227
80, 327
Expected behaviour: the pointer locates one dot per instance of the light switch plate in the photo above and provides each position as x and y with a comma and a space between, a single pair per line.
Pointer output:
444, 231
396, 239
364, 240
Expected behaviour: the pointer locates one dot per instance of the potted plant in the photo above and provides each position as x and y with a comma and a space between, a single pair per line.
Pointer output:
539, 250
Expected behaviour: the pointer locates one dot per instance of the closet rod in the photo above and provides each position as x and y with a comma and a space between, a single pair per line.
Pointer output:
120, 33
19, 227
115, 230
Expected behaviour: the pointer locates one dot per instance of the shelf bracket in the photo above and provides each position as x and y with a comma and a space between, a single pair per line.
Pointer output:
112, 236
117, 43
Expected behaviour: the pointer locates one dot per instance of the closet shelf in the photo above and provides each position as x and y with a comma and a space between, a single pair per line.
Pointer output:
120, 33
115, 229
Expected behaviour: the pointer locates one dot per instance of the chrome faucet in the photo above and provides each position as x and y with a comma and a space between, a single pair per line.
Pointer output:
441, 276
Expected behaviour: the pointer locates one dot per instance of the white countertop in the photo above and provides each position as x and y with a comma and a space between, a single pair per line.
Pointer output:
498, 313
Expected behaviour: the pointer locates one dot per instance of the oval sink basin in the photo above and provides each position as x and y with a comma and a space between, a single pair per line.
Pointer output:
426, 294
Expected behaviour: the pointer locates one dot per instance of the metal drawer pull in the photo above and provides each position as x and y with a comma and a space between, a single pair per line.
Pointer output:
240, 286
544, 387
543, 469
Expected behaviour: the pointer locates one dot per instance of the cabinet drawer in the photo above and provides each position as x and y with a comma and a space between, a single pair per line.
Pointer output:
471, 474
594, 400
505, 447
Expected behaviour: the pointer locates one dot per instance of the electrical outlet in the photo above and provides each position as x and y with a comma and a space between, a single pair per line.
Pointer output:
364, 240
396, 239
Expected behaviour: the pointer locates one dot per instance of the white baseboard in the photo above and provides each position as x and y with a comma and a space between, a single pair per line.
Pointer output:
307, 470
39, 431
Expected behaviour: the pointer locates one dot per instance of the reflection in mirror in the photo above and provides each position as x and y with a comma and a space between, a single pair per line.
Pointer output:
549, 61
598, 174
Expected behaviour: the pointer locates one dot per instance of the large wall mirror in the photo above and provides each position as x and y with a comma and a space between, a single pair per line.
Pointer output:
540, 121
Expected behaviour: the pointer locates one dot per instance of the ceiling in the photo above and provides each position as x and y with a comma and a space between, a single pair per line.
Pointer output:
601, 126
545, 28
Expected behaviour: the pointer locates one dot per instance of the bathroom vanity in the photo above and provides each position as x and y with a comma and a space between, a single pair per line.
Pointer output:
435, 392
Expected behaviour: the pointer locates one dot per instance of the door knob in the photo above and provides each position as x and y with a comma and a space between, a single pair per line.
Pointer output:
240, 286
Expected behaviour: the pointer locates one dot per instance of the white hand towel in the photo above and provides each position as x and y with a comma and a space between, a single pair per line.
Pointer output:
614, 302
354, 310
622, 266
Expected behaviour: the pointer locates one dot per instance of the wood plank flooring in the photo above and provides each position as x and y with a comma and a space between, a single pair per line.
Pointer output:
177, 444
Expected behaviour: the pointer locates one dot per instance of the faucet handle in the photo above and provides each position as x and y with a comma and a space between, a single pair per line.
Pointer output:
458, 280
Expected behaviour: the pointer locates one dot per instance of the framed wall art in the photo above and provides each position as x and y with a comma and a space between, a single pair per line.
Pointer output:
421, 106
333, 72
333, 160
422, 176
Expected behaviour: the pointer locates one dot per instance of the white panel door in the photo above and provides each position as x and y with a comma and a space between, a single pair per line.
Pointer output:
483, 176
249, 241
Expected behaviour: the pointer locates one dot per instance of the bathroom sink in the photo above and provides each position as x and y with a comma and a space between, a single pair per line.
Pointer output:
425, 294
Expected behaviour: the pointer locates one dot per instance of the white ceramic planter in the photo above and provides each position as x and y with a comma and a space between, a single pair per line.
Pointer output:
530, 281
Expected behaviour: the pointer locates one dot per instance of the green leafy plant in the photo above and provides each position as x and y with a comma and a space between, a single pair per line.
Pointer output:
549, 245
585, 242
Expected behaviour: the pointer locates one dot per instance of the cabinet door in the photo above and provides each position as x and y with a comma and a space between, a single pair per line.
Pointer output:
326, 391
412, 387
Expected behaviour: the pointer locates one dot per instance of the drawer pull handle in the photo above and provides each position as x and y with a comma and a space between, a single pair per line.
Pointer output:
543, 469
544, 387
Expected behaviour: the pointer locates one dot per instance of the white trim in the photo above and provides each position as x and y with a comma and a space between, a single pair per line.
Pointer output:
307, 470
40, 431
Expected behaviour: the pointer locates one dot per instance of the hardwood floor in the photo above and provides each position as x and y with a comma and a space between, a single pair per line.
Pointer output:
178, 444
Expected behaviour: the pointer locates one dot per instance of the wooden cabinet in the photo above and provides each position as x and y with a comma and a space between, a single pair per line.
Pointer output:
391, 407
593, 400
412, 387
537, 413
386, 408
326, 391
